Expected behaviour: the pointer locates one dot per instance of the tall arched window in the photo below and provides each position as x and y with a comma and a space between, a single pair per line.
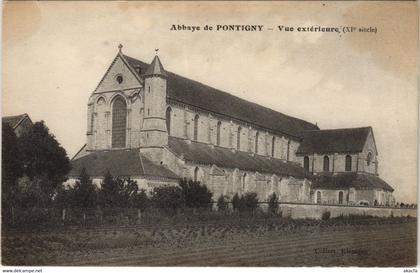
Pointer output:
318, 197
326, 164
369, 158
168, 120
196, 170
219, 125
119, 122
273, 143
306, 163
243, 182
238, 139
348, 163
196, 127
340, 198
256, 142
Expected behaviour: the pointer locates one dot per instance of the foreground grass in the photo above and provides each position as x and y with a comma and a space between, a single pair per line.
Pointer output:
238, 241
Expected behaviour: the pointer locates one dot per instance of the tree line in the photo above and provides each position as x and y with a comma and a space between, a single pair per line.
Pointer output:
123, 192
117, 192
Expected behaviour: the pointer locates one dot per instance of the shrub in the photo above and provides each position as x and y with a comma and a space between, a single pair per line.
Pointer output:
129, 191
222, 205
250, 201
326, 215
273, 203
141, 200
168, 197
195, 194
117, 192
63, 197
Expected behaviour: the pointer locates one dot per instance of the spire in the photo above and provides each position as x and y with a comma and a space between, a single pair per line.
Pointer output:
156, 68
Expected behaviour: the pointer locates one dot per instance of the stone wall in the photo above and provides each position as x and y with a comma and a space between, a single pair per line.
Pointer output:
337, 162
315, 211
228, 181
369, 148
183, 122
100, 118
352, 196
109, 81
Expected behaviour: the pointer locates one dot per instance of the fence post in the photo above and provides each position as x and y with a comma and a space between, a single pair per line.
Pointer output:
139, 214
13, 215
63, 214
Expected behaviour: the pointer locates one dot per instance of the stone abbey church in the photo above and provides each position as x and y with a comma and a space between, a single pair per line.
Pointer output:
158, 127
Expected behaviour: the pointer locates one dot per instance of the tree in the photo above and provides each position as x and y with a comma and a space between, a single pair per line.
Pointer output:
141, 200
43, 158
168, 197
30, 193
195, 194
117, 192
11, 167
129, 192
222, 205
108, 193
63, 197
84, 192
273, 203
236, 202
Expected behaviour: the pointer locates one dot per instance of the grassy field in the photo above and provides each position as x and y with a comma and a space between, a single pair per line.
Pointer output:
238, 242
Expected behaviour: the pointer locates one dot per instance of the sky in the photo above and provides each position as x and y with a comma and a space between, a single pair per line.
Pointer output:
55, 53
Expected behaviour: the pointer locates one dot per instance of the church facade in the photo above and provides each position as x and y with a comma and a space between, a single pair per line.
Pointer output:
158, 127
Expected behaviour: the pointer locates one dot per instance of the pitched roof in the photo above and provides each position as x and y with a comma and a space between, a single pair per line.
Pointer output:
119, 163
210, 99
155, 68
224, 157
14, 121
333, 141
348, 180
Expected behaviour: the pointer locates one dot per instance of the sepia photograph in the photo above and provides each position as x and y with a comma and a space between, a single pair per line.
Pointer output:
209, 134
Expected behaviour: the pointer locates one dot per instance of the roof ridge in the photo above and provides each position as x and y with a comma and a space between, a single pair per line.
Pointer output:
338, 129
132, 69
15, 116
122, 56
78, 152
23, 117
228, 149
228, 94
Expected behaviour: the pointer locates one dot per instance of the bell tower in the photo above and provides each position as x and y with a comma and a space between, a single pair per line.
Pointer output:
154, 134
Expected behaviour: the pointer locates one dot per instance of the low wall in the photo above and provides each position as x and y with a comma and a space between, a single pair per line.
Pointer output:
315, 211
